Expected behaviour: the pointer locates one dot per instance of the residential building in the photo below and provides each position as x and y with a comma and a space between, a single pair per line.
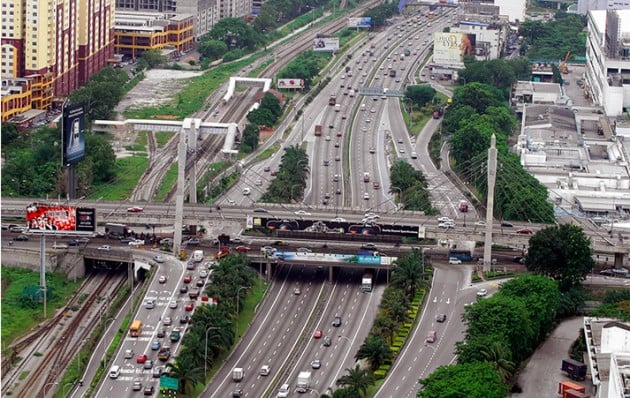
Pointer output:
584, 6
514, 10
58, 45
136, 32
608, 59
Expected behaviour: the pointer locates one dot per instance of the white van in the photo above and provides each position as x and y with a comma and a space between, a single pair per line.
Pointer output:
284, 391
264, 370
114, 372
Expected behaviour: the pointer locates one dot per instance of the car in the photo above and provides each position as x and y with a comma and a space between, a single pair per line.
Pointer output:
264, 370
524, 231
440, 318
337, 321
302, 213
368, 246
193, 242
161, 333
297, 291
148, 364
443, 219
268, 250
199, 283
371, 215
327, 138
126, 240
326, 163
242, 249
267, 169
337, 158
189, 306
453, 260
184, 319
103, 247
316, 364
237, 393
274, 173
136, 242
156, 345
480, 223
338, 219
304, 250
482, 292
607, 272
162, 279
258, 182
366, 196
149, 390
158, 259
372, 150
191, 266
167, 321
327, 341
142, 358
194, 294
447, 224
157, 372
318, 334
60, 245
134, 209
506, 224
183, 289
338, 191
149, 304
172, 304
187, 278
73, 242
203, 274
128, 354
376, 185
137, 386
260, 210
401, 150
280, 243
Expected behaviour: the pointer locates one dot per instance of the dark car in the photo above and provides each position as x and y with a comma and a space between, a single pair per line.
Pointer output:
337, 321
183, 289
184, 319
506, 224
440, 317
21, 238
73, 242
368, 246
190, 266
161, 333
237, 393
148, 390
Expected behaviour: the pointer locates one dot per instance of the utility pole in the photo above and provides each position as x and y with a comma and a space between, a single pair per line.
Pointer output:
492, 178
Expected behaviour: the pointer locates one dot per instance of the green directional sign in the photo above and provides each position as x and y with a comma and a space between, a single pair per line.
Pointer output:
169, 382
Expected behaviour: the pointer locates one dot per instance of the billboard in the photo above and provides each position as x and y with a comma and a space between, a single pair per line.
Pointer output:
73, 133
361, 22
450, 48
291, 83
323, 44
42, 217
333, 258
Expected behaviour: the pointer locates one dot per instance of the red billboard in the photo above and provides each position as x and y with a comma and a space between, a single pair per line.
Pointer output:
42, 217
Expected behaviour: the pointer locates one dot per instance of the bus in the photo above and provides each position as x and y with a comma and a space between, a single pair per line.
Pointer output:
115, 230
464, 255
135, 329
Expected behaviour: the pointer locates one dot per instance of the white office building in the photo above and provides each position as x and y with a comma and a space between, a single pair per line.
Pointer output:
584, 6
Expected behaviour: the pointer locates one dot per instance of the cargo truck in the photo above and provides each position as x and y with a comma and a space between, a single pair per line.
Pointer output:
318, 130
237, 374
366, 282
575, 369
303, 382
197, 256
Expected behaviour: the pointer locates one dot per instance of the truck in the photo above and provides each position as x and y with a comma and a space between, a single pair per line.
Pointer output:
366, 282
337, 107
303, 381
237, 374
318, 130
197, 256
463, 206
332, 100
575, 369
392, 73
366, 177
565, 386
116, 231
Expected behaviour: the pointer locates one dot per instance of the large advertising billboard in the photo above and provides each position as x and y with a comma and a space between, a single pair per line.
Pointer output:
450, 48
291, 83
360, 22
73, 133
323, 44
43, 217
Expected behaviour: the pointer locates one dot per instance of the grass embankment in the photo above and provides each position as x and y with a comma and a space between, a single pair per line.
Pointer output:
128, 172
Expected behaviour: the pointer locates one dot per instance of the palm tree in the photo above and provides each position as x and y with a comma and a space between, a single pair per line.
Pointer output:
499, 357
407, 273
187, 376
357, 380
375, 350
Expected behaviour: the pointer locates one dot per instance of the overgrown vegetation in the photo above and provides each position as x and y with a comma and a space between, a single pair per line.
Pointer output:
551, 40
411, 186
306, 66
289, 184
616, 304
381, 13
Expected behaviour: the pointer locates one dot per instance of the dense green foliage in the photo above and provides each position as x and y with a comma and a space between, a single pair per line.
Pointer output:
251, 135
275, 13
381, 13
33, 164
153, 58
471, 380
290, 182
499, 73
411, 186
102, 93
305, 66
268, 113
420, 95
214, 321
562, 253
477, 112
616, 304
550, 40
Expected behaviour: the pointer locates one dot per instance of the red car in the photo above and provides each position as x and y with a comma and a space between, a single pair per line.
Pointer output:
189, 306
338, 133
318, 334
142, 358
274, 173
134, 209
187, 279
242, 249
524, 231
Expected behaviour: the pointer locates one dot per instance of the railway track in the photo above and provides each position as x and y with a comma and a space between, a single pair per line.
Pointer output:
48, 351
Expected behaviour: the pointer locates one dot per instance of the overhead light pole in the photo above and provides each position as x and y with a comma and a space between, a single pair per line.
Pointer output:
205, 357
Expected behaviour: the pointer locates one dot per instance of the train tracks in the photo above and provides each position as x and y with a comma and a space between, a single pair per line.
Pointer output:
45, 353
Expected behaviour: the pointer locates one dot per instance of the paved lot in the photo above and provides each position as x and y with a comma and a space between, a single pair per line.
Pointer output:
542, 374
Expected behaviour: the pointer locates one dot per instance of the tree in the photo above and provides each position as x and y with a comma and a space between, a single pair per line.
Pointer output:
9, 133
407, 273
478, 96
251, 135
471, 380
499, 357
235, 33
213, 49
261, 117
375, 350
357, 380
271, 102
420, 95
153, 57
381, 13
561, 252
187, 376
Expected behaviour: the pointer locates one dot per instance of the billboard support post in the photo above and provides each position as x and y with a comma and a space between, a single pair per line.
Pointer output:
72, 182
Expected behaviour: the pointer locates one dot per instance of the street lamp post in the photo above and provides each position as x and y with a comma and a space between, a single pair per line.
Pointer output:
205, 357
237, 305
46, 385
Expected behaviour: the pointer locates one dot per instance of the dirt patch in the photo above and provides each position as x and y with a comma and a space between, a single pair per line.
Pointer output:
159, 87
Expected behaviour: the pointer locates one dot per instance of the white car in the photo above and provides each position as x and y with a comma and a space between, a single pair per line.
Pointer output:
59, 245
481, 223
137, 242
338, 219
304, 250
453, 260
172, 304
105, 248
482, 292
444, 219
447, 224
302, 213
366, 196
158, 259
371, 215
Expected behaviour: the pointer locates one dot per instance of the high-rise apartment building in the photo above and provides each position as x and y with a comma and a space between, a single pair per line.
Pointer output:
57, 44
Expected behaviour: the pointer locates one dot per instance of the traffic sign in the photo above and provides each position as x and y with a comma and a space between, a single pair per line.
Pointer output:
169, 382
